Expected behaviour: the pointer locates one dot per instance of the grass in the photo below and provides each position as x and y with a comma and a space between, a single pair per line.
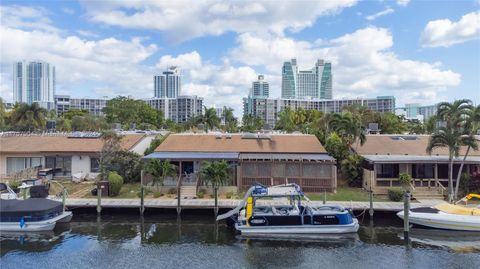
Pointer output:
345, 194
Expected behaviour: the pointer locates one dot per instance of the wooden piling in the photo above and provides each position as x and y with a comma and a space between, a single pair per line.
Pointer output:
324, 197
142, 194
99, 199
406, 211
179, 206
370, 211
64, 198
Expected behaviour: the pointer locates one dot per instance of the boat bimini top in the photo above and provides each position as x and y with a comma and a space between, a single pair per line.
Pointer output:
291, 190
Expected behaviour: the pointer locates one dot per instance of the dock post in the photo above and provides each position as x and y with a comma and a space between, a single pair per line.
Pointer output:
179, 206
142, 194
406, 211
63, 198
324, 197
99, 199
215, 209
370, 211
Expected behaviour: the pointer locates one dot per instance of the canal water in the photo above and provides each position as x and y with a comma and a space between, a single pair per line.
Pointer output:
164, 241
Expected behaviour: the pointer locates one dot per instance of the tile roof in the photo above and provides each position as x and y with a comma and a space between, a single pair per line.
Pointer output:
46, 144
402, 145
210, 143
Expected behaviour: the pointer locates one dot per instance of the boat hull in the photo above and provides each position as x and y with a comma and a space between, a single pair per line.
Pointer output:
444, 221
298, 229
36, 226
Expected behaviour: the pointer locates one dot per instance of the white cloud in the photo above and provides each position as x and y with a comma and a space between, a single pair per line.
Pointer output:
183, 20
403, 3
444, 33
86, 33
379, 14
68, 11
362, 63
26, 17
106, 63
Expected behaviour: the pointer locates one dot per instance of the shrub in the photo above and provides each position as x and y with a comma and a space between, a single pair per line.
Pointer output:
172, 191
146, 192
14, 184
395, 194
115, 182
229, 195
200, 194
157, 194
404, 179
352, 169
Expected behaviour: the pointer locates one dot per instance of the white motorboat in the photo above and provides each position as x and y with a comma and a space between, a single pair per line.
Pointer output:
445, 216
293, 218
30, 215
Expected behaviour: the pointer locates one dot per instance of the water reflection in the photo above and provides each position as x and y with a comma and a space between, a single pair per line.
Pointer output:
165, 231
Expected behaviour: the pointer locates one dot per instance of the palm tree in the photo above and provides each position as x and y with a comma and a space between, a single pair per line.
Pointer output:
348, 127
210, 119
29, 117
214, 174
160, 170
454, 114
250, 123
231, 123
452, 139
472, 125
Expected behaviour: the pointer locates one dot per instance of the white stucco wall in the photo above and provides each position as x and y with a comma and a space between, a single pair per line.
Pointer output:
143, 144
81, 164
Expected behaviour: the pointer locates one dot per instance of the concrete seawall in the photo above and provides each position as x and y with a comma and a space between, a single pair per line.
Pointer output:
230, 203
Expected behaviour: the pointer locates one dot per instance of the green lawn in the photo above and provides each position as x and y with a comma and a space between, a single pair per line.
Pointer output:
345, 194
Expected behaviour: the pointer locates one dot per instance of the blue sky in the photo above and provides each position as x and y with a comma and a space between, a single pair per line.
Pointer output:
418, 51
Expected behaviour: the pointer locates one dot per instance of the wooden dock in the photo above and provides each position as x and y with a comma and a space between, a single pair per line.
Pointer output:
229, 203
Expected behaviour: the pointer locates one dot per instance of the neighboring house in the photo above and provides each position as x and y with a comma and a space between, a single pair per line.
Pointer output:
262, 158
67, 154
386, 156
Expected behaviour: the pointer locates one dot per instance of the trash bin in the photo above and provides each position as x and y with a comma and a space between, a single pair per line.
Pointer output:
103, 187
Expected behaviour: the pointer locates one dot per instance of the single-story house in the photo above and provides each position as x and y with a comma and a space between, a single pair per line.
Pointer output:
386, 156
254, 158
67, 154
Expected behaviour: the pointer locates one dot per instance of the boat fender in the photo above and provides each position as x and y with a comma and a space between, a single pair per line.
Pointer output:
249, 209
22, 222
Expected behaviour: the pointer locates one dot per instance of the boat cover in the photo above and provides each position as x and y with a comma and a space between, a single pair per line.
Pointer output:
457, 210
29, 207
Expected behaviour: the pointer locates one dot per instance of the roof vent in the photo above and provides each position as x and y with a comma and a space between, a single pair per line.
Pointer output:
249, 136
218, 136
264, 136
228, 136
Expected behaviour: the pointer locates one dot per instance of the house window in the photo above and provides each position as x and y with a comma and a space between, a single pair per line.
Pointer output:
94, 165
422, 171
17, 164
387, 170
62, 165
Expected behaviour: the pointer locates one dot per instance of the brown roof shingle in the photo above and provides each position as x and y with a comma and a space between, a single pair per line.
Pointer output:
209, 143
387, 145
44, 144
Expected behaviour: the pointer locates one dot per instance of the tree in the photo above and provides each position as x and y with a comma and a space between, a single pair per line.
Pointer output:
3, 115
214, 174
362, 113
63, 124
390, 123
154, 144
472, 126
286, 120
336, 147
348, 127
27, 117
231, 122
127, 164
415, 127
74, 112
128, 111
250, 123
111, 145
352, 168
405, 180
452, 139
159, 170
210, 119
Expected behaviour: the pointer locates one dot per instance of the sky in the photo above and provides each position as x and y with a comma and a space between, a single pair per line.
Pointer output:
418, 51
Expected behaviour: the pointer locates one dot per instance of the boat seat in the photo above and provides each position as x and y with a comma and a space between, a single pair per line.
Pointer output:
457, 210
274, 211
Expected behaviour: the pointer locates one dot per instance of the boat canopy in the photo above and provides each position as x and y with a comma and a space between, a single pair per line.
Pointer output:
285, 190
